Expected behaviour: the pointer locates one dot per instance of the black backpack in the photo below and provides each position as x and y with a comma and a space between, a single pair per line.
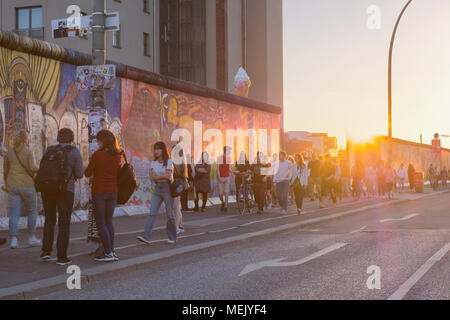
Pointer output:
52, 175
126, 182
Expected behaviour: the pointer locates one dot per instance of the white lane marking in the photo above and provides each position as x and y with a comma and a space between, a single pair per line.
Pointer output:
278, 262
222, 230
402, 219
405, 287
268, 219
359, 230
120, 233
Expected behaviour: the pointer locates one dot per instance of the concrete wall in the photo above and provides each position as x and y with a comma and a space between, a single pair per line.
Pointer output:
143, 108
406, 152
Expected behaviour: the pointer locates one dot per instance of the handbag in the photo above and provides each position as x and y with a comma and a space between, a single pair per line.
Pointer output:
26, 169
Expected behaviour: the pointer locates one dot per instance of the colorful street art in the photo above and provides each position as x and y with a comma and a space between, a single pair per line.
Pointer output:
40, 95
150, 114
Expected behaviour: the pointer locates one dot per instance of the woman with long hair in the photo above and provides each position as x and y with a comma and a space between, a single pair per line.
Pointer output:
161, 173
202, 181
19, 168
103, 167
299, 181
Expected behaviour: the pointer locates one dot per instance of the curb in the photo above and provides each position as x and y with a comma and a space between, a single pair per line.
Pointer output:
41, 287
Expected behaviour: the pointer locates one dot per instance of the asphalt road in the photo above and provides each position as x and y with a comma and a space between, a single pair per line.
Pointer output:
408, 242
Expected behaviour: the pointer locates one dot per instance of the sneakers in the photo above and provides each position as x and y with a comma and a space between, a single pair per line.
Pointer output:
105, 257
63, 261
142, 239
180, 230
116, 258
45, 255
34, 242
14, 243
171, 241
283, 212
222, 206
299, 211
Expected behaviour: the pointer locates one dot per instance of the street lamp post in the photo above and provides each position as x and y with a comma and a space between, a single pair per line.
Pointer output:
97, 113
390, 79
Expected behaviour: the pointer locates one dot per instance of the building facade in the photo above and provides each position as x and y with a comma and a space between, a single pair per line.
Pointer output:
321, 143
202, 41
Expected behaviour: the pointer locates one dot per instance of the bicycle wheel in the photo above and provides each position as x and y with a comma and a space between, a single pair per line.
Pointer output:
240, 201
252, 206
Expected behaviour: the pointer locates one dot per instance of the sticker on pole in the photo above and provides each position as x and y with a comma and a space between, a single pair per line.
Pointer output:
96, 77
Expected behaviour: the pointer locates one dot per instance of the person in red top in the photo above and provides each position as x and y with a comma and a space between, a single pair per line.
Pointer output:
224, 177
103, 167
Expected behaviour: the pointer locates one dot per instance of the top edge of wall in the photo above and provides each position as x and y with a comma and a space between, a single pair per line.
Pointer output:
45, 49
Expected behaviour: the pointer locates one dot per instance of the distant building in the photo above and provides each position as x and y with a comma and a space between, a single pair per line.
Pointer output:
321, 143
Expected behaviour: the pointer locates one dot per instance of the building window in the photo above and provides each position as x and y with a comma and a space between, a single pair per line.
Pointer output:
29, 22
116, 38
146, 44
183, 39
146, 6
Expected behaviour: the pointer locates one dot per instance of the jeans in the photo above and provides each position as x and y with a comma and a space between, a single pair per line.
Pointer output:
299, 192
16, 198
160, 195
282, 193
104, 205
64, 202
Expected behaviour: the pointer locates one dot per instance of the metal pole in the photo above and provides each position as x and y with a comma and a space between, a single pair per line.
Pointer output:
390, 80
97, 113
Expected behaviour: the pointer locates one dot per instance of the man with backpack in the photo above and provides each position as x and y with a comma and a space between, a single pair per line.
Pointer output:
60, 166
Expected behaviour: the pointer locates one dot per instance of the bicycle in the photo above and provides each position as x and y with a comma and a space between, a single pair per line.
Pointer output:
245, 198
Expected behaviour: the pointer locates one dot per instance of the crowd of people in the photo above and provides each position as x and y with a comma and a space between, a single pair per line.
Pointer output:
176, 178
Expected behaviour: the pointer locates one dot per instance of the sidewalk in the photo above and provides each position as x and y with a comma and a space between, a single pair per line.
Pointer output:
23, 275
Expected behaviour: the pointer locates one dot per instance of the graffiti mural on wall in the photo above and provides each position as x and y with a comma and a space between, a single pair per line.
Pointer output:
150, 114
39, 94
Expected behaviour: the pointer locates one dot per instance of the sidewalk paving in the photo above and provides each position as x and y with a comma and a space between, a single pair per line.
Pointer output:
23, 275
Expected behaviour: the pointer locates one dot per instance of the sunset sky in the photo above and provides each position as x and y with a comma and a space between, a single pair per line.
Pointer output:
335, 68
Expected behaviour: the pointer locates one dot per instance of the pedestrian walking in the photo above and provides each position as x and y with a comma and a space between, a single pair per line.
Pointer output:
381, 180
242, 171
103, 167
202, 181
299, 181
19, 169
281, 179
161, 173
260, 176
390, 178
402, 175
57, 189
180, 177
327, 181
186, 194
224, 177
314, 167
411, 172
444, 177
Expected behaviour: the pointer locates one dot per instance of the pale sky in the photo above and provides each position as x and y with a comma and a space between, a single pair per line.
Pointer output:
335, 68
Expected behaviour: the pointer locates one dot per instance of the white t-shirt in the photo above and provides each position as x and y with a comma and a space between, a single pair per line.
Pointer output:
284, 171
158, 167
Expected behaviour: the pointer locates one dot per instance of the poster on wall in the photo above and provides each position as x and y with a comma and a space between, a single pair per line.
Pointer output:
96, 77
